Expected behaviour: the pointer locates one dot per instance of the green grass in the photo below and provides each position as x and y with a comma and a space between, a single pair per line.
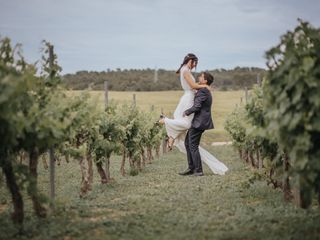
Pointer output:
223, 103
160, 204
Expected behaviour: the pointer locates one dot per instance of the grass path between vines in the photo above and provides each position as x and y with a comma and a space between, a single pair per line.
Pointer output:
160, 204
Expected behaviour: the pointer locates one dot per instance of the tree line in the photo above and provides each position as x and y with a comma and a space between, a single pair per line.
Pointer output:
161, 80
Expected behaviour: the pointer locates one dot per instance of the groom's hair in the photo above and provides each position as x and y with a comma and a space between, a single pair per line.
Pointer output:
207, 76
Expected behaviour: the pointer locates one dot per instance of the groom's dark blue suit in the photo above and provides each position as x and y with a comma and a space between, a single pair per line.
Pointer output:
202, 121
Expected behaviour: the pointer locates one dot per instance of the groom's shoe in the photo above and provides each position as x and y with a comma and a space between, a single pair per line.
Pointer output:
197, 174
186, 172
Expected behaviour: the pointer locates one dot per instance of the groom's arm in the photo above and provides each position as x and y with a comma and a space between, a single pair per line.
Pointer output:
200, 98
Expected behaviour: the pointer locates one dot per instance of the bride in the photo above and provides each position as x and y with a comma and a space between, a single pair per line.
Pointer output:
178, 126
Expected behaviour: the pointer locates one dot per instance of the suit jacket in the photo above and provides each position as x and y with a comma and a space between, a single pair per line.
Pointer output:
202, 110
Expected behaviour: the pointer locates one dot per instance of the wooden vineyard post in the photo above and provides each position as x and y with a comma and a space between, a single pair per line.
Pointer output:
259, 80
52, 177
134, 101
106, 102
51, 151
106, 95
260, 160
285, 181
246, 94
164, 146
296, 194
164, 141
302, 196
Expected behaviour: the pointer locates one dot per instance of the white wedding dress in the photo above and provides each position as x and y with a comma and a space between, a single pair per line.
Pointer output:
178, 127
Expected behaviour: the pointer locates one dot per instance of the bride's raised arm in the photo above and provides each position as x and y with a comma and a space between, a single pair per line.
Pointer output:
187, 76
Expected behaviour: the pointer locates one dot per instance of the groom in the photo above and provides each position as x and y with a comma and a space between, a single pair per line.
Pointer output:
201, 122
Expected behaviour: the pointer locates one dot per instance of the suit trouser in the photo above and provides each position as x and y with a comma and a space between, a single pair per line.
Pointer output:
191, 143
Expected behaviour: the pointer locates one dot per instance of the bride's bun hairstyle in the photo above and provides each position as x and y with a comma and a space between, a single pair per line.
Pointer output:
190, 56
207, 76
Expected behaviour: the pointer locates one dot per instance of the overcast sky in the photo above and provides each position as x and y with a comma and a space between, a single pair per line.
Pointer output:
101, 34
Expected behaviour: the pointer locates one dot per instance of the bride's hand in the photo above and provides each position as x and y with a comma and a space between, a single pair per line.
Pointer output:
209, 88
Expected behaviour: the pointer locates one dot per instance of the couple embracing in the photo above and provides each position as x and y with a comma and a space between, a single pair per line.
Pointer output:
191, 118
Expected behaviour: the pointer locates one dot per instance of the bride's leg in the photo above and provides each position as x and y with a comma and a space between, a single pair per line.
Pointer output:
171, 140
170, 143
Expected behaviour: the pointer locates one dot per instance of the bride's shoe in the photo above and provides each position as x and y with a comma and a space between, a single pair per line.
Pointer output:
161, 119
